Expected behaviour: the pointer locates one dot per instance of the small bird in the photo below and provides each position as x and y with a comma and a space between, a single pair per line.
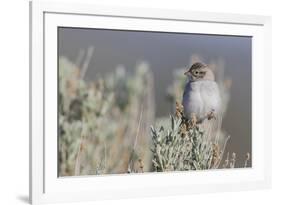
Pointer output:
201, 97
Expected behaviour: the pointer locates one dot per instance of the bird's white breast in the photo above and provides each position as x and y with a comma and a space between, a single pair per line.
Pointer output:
200, 98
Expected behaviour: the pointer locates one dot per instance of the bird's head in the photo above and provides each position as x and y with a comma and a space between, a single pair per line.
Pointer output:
199, 71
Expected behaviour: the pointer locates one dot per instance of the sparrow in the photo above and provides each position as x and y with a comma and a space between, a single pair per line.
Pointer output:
201, 97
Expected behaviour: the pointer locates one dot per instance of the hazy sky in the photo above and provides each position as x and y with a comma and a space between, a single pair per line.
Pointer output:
165, 52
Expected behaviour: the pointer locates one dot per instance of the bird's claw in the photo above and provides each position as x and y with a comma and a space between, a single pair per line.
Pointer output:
211, 115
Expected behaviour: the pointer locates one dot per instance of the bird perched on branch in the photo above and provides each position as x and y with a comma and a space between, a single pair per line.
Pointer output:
201, 97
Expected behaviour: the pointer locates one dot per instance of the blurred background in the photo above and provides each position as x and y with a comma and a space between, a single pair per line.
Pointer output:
116, 84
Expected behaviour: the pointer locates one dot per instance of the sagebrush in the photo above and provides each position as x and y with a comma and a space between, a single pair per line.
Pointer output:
108, 126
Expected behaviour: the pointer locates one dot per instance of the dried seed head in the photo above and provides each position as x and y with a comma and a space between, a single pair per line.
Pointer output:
247, 159
215, 154
233, 155
179, 110
248, 156
192, 121
226, 162
141, 165
183, 130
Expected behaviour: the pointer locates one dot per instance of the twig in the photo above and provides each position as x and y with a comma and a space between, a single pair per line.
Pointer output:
222, 152
88, 58
104, 155
135, 142
79, 58
78, 157
218, 128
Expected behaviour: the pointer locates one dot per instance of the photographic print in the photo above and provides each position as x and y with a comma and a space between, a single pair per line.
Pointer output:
142, 101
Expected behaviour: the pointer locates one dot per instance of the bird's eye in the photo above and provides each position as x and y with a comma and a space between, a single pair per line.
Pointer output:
196, 72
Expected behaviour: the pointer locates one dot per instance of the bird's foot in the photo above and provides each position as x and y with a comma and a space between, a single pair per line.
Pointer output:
211, 115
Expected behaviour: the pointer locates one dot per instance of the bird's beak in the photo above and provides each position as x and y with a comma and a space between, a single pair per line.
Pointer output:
187, 72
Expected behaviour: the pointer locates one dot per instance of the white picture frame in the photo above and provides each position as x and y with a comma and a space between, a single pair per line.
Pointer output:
46, 187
